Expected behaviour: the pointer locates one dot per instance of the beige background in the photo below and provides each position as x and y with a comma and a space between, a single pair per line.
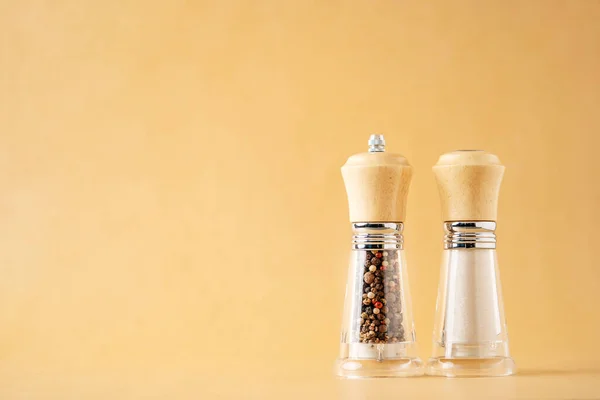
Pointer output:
172, 209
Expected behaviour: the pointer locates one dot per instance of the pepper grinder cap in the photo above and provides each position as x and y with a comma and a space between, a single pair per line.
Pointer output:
377, 184
469, 185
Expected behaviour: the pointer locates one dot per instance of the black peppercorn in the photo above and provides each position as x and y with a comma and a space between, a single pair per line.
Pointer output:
380, 318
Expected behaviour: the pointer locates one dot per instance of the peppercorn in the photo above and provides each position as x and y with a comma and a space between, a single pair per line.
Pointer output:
381, 312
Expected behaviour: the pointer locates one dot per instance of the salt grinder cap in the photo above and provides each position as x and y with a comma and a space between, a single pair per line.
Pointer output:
469, 185
377, 184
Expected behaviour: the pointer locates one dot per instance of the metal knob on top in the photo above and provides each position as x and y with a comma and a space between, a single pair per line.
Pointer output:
376, 144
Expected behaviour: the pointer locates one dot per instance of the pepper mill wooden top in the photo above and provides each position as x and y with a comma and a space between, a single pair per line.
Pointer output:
377, 185
469, 185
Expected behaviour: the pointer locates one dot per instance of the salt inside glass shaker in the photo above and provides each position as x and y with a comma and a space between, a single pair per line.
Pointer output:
378, 334
470, 336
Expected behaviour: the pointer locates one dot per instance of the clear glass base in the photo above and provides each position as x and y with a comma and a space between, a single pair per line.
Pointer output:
360, 368
465, 367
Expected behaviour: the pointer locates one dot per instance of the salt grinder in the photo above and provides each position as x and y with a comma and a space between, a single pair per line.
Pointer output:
470, 336
378, 334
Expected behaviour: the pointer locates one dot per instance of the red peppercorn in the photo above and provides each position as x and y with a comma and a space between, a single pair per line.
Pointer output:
382, 268
378, 304
378, 255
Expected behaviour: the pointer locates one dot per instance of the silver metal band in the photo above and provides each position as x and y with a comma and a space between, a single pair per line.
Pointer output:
470, 235
377, 235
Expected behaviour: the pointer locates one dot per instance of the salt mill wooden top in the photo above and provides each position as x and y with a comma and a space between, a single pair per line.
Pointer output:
377, 184
469, 184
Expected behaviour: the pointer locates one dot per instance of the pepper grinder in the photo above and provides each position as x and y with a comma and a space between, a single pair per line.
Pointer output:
378, 334
470, 336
